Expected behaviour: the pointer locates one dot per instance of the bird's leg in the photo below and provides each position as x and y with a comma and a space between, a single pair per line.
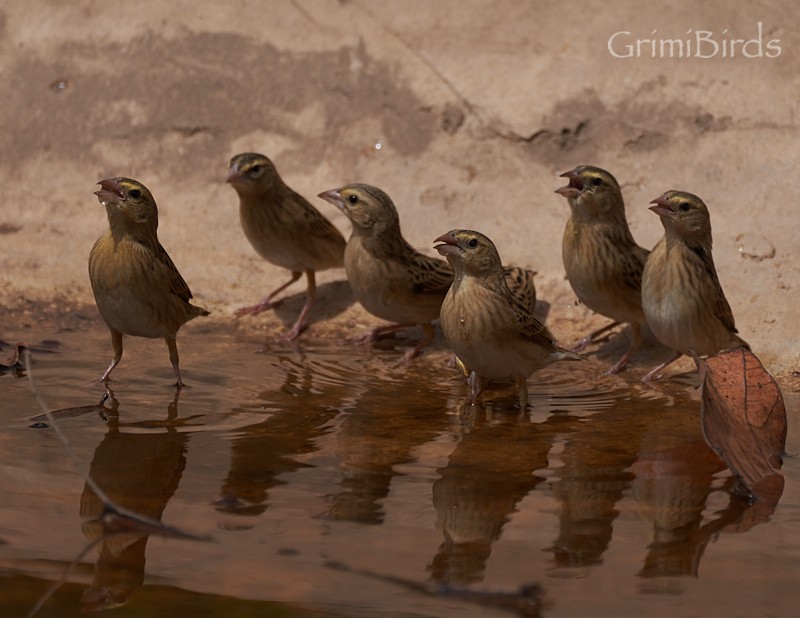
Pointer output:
173, 357
475, 384
593, 336
428, 334
653, 375
522, 388
300, 323
379, 332
116, 346
636, 329
266, 302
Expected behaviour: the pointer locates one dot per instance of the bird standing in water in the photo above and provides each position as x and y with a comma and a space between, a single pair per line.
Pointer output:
284, 229
496, 336
137, 288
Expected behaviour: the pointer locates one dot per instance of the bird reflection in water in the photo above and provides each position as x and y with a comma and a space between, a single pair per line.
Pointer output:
140, 472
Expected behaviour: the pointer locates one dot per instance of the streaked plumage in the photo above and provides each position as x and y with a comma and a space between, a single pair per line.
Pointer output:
391, 279
603, 262
137, 287
284, 229
682, 297
485, 325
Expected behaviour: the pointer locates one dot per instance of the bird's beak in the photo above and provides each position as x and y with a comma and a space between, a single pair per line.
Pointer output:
662, 207
234, 176
334, 197
110, 191
449, 246
574, 187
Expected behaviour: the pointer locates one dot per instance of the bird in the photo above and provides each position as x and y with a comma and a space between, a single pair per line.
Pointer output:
284, 229
390, 278
602, 260
485, 325
682, 297
137, 288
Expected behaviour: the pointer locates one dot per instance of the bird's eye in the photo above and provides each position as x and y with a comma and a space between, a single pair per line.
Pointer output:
135, 194
596, 181
685, 207
472, 243
256, 169
352, 198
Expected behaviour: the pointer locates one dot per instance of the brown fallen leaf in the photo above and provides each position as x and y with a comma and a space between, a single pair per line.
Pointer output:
744, 420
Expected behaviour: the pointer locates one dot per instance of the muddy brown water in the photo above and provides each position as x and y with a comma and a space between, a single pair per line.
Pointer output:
335, 482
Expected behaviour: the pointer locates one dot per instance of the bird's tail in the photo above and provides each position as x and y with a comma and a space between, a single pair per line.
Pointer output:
198, 312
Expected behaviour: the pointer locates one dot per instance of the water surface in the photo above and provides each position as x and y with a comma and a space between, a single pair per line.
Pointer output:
335, 481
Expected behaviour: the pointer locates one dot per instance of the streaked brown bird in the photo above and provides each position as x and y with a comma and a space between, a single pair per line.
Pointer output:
137, 288
603, 263
485, 325
284, 229
682, 297
390, 278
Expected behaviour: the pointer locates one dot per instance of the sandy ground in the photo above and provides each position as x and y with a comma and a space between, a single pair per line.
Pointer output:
464, 112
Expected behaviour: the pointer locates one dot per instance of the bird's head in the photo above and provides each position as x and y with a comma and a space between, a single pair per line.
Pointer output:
128, 203
369, 209
593, 191
469, 251
250, 172
684, 214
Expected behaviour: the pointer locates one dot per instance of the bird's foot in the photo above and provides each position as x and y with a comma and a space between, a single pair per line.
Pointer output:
291, 334
581, 345
254, 309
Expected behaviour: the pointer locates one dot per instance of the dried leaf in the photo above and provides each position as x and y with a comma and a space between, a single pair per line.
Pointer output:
744, 419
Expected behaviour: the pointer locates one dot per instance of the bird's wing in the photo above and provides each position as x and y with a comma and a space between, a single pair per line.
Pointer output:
520, 282
530, 328
722, 310
314, 222
177, 285
429, 275
633, 267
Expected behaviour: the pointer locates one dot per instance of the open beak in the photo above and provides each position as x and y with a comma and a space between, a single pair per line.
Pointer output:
662, 207
334, 197
449, 244
574, 187
110, 191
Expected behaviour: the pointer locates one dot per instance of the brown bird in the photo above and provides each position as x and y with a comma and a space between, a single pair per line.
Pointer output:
603, 263
136, 286
485, 325
681, 294
284, 229
390, 278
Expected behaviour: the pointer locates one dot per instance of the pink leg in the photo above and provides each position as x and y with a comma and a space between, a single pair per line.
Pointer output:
593, 336
173, 357
475, 384
429, 334
300, 323
623, 362
116, 345
379, 333
522, 388
652, 375
266, 302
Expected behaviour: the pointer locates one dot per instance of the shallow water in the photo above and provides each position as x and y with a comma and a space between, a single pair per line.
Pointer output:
336, 482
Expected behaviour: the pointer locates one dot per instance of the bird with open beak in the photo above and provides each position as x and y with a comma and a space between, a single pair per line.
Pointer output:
603, 262
137, 288
496, 336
